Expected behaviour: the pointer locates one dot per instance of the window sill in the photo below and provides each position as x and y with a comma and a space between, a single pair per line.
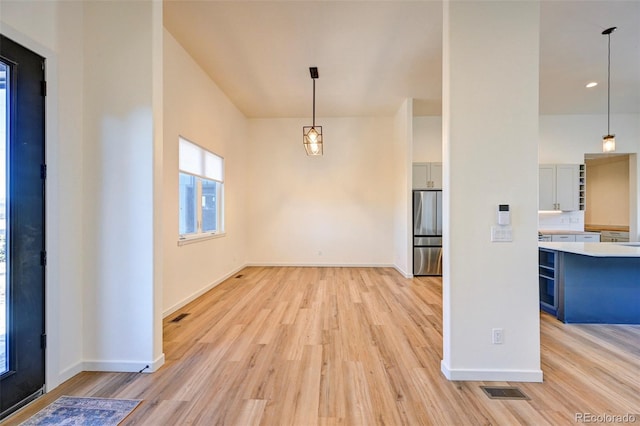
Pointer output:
197, 238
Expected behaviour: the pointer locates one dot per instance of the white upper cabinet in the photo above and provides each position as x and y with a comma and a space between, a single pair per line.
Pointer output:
547, 187
436, 175
420, 176
559, 187
427, 176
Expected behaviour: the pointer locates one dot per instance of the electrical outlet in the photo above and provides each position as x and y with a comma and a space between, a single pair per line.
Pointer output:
497, 336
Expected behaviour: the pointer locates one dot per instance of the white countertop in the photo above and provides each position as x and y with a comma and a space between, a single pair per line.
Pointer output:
596, 249
561, 232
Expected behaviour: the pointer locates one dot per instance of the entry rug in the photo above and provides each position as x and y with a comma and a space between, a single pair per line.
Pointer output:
75, 411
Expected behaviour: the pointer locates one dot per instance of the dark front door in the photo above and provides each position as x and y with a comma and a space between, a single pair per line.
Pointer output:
22, 255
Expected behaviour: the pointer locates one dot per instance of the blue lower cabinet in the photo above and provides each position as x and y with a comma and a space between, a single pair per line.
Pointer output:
601, 290
589, 289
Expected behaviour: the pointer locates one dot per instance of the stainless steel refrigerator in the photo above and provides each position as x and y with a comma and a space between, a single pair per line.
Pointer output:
427, 232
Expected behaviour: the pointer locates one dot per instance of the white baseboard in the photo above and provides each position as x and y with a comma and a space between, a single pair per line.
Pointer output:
402, 272
64, 375
321, 265
156, 364
124, 366
482, 375
332, 265
200, 292
118, 366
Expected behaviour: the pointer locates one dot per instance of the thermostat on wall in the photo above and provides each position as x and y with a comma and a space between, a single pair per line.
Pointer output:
504, 215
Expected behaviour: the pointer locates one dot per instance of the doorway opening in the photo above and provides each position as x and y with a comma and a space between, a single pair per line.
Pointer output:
611, 196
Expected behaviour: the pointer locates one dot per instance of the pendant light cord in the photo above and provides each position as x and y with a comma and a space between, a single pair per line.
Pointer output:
608, 32
608, 85
314, 103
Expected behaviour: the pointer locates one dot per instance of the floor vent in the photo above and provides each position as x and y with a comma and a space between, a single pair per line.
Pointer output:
239, 276
179, 318
501, 392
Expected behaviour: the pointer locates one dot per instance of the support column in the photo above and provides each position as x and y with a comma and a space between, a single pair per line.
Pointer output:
122, 160
490, 155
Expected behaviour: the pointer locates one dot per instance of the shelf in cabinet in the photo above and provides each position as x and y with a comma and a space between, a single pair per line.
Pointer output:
547, 271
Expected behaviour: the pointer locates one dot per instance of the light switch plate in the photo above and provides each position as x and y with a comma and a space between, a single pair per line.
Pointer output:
501, 234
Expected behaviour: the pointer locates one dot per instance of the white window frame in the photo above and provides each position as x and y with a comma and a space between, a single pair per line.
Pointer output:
202, 164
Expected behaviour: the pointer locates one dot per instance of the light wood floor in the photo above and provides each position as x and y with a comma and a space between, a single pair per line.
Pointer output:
351, 346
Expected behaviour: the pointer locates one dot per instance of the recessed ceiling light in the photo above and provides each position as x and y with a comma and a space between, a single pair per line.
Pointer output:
592, 84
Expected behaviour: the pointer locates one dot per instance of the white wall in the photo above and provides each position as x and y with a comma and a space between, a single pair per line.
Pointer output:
490, 285
122, 322
563, 138
566, 138
54, 30
427, 139
195, 108
337, 209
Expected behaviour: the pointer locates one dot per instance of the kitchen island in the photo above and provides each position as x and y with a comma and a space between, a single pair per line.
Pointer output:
590, 282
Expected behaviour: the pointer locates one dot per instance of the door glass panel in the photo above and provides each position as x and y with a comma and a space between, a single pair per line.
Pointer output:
3, 231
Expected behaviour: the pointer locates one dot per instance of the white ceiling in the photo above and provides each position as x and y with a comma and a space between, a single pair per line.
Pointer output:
373, 54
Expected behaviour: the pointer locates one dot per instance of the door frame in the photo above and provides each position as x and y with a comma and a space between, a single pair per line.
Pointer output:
26, 234
53, 215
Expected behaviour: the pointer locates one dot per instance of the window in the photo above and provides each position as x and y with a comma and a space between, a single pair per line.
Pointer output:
201, 181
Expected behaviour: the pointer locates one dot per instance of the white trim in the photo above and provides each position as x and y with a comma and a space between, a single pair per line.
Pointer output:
219, 188
200, 292
402, 272
65, 375
124, 366
156, 364
484, 375
194, 238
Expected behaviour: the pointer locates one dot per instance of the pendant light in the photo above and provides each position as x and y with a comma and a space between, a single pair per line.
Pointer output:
609, 140
312, 135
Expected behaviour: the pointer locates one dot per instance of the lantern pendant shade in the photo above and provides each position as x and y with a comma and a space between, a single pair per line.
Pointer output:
312, 135
609, 143
312, 139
